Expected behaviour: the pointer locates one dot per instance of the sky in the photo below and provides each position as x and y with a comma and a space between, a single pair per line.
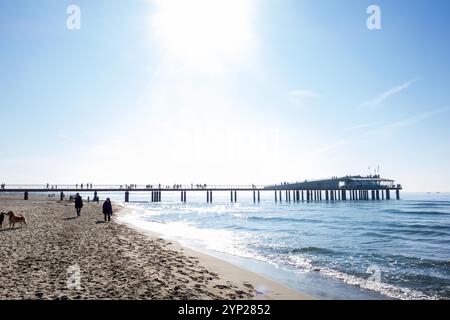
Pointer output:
224, 91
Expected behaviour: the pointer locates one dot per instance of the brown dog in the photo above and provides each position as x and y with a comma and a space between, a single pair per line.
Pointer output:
2, 218
13, 218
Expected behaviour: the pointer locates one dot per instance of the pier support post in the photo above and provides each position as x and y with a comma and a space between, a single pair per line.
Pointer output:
303, 196
96, 197
307, 195
185, 193
327, 197
378, 194
373, 194
235, 196
210, 196
25, 195
331, 195
397, 192
61, 196
231, 195
276, 200
254, 196
259, 196
127, 196
207, 196
279, 194
298, 196
388, 194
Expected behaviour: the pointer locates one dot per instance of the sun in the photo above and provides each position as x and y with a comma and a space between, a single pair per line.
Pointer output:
204, 35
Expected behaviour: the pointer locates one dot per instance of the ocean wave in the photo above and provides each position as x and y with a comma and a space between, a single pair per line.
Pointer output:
282, 219
386, 289
397, 211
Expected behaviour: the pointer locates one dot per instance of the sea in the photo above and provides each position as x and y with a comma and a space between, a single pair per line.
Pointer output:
386, 249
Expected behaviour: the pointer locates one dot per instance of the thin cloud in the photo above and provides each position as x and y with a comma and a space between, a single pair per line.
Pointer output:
378, 100
63, 136
332, 146
301, 97
406, 122
365, 125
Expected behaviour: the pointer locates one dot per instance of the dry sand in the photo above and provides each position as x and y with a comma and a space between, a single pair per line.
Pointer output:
114, 260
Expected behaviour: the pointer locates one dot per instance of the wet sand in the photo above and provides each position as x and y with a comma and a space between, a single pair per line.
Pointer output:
113, 260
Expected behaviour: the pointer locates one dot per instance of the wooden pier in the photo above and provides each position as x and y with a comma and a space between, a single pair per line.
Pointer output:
350, 188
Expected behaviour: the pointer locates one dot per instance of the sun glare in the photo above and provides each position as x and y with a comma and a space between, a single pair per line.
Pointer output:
204, 35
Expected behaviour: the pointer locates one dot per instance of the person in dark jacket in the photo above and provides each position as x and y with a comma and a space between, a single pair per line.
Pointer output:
107, 209
78, 203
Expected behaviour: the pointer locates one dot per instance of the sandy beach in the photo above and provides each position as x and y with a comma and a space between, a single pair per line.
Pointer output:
113, 260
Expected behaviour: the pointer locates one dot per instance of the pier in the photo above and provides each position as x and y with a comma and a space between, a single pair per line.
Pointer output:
349, 188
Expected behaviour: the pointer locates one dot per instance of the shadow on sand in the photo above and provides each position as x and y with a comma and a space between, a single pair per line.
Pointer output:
71, 218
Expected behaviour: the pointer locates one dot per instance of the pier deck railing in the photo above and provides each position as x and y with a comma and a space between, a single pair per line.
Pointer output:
295, 193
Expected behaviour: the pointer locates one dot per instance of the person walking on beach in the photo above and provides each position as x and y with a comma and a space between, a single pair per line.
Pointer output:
107, 210
78, 203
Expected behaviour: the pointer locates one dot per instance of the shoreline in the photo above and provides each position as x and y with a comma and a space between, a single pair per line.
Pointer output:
114, 261
273, 289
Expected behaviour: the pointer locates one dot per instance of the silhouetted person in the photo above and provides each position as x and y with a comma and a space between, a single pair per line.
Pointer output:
78, 203
107, 210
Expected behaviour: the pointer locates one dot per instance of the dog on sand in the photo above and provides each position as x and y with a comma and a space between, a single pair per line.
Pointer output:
2, 218
16, 218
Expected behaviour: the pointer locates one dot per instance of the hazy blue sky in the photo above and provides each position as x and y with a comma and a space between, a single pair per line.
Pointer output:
233, 91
